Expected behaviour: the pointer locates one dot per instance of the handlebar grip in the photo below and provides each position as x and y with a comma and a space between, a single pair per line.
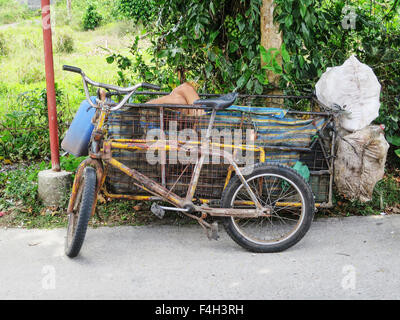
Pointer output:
72, 69
151, 86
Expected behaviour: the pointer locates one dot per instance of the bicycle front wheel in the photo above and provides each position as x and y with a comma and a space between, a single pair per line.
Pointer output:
290, 199
78, 219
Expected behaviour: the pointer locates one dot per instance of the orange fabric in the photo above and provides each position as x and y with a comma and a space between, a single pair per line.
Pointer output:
183, 94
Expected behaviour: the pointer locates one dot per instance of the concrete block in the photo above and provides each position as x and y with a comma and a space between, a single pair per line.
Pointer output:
54, 187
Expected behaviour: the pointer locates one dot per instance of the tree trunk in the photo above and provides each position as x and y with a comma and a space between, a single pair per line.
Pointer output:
270, 37
69, 9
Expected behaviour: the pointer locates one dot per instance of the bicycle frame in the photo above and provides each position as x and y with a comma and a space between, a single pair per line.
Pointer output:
101, 152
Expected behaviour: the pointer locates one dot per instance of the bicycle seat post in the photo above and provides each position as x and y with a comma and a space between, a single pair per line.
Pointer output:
211, 124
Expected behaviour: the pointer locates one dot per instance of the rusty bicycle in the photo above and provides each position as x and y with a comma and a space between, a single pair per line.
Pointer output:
263, 207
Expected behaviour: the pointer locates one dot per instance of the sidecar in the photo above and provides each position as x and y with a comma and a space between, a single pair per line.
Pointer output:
303, 140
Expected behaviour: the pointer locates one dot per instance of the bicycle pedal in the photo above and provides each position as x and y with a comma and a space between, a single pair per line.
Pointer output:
157, 210
214, 231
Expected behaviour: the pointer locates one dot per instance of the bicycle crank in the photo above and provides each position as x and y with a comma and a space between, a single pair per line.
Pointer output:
159, 211
211, 229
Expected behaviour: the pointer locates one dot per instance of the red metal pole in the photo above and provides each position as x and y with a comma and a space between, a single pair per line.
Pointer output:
51, 94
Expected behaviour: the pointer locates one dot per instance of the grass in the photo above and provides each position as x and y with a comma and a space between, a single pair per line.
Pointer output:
11, 12
23, 67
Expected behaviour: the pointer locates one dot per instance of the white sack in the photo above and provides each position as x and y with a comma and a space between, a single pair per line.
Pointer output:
360, 163
355, 86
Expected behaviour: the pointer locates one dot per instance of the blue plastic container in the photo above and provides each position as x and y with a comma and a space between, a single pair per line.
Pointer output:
77, 139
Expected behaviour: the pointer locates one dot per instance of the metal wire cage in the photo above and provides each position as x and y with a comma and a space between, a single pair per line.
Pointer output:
174, 170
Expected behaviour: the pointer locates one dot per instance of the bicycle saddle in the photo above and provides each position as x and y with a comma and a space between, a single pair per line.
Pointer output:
220, 103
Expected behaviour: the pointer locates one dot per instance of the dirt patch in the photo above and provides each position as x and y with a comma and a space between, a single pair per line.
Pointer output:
8, 218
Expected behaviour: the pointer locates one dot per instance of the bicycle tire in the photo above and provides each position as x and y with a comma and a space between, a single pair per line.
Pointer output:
79, 220
289, 175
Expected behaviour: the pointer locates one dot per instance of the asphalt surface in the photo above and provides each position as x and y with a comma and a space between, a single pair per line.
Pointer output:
346, 258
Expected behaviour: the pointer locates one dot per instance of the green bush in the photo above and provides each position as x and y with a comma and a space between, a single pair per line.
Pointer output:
64, 44
91, 18
70, 163
136, 10
24, 132
214, 42
20, 185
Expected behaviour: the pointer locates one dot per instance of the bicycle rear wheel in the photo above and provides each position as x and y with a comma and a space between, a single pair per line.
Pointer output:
290, 199
78, 219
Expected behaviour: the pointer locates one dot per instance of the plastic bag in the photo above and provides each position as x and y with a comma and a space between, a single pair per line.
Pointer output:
360, 163
303, 170
355, 87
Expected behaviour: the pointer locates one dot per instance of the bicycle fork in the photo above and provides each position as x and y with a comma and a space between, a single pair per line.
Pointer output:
89, 162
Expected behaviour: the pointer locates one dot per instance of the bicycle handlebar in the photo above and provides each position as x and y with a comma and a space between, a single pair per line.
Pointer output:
72, 69
150, 86
129, 91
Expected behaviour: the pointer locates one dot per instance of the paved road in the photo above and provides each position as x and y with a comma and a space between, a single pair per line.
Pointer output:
349, 258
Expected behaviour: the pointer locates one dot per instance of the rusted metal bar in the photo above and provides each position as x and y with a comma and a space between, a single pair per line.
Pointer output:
78, 176
261, 96
197, 107
320, 172
101, 175
163, 153
157, 106
130, 197
286, 148
310, 113
139, 144
332, 168
75, 187
238, 213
